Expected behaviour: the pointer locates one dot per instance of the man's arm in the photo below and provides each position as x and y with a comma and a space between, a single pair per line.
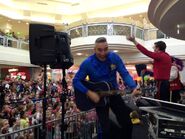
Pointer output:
126, 76
143, 49
77, 84
124, 73
80, 76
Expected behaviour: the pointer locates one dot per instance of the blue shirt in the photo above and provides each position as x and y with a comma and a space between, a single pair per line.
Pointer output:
102, 71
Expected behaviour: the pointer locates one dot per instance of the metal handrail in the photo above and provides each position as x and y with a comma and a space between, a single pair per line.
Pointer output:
40, 125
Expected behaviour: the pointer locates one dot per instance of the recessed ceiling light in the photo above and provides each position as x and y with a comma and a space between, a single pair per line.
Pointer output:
78, 54
75, 4
42, 3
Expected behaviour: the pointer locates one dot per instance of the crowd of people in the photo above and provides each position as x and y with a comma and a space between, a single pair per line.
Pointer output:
21, 105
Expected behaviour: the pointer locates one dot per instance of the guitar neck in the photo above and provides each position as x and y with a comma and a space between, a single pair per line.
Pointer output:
111, 92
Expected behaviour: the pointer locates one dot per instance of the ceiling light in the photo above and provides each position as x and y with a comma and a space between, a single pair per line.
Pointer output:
42, 3
8, 26
78, 54
178, 32
7, 31
115, 51
27, 23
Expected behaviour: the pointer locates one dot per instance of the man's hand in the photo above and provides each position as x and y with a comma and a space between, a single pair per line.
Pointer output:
132, 39
93, 96
136, 92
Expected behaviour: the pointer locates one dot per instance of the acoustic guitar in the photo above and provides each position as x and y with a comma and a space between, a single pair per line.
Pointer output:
103, 89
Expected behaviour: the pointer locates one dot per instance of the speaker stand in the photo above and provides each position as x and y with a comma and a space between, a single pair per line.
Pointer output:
63, 100
44, 102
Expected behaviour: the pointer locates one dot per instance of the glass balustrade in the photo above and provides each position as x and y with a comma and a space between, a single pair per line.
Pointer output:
75, 33
110, 29
139, 33
2, 40
151, 34
97, 30
122, 30
24, 45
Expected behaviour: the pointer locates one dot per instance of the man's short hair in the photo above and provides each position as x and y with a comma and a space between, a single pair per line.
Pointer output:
161, 45
100, 40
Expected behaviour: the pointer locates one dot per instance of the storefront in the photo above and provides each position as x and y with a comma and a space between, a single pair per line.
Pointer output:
16, 73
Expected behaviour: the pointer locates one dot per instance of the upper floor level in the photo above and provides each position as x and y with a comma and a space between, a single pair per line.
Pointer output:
94, 29
83, 37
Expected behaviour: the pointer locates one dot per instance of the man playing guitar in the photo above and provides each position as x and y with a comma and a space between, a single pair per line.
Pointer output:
102, 66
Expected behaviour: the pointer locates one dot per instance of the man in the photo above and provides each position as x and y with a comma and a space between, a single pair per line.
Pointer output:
102, 66
161, 66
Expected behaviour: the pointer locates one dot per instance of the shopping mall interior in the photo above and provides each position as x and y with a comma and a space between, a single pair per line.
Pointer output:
84, 21
113, 20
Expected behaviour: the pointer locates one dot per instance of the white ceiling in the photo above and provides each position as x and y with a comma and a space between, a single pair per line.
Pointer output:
62, 11
15, 15
67, 7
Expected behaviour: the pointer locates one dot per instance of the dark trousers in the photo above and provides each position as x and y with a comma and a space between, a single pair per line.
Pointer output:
121, 112
163, 92
176, 95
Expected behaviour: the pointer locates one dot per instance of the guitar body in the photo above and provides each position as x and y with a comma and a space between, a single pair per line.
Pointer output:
83, 102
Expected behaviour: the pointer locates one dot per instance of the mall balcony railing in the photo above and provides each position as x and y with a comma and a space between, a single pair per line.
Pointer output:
14, 43
120, 29
153, 34
109, 29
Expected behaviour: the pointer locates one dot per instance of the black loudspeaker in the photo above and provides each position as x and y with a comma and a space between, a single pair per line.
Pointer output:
41, 44
64, 59
139, 68
48, 47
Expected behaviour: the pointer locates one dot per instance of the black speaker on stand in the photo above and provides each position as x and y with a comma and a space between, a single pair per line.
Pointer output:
64, 60
42, 44
48, 47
